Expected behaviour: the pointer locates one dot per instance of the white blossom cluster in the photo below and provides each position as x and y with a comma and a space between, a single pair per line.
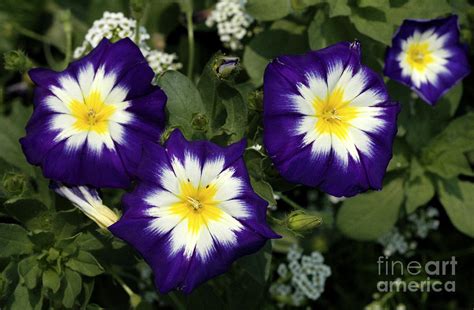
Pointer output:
160, 61
114, 26
302, 278
232, 22
402, 240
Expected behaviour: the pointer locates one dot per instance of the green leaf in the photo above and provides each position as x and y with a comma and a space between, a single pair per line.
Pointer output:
30, 212
400, 156
338, 8
265, 10
283, 38
370, 215
21, 298
457, 197
450, 164
87, 241
73, 287
12, 128
264, 190
225, 107
184, 101
419, 189
85, 264
258, 265
373, 23
29, 270
416, 9
324, 31
14, 240
236, 110
382, 4
457, 138
51, 280
67, 223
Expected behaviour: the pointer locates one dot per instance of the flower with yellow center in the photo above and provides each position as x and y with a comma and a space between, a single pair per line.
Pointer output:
90, 120
193, 212
428, 57
423, 58
328, 121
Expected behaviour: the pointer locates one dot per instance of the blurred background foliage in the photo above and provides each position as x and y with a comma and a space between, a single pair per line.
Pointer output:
51, 256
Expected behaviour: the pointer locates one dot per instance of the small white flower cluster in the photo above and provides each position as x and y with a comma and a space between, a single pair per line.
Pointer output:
232, 22
424, 222
160, 61
114, 26
401, 240
302, 278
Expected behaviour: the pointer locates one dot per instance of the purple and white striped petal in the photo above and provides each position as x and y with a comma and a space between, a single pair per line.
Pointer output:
90, 120
328, 120
427, 56
193, 212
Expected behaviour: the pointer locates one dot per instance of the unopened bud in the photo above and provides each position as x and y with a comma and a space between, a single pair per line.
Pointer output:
199, 122
138, 8
301, 221
88, 201
17, 61
14, 184
226, 66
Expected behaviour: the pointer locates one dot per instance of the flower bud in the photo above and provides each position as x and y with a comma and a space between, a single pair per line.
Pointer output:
199, 122
138, 8
226, 66
14, 183
299, 221
88, 201
17, 61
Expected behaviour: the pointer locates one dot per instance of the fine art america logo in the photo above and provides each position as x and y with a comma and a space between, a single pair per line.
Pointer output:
429, 276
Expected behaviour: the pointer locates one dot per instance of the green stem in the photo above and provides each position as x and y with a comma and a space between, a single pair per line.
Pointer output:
31, 34
189, 21
125, 287
289, 201
137, 31
68, 33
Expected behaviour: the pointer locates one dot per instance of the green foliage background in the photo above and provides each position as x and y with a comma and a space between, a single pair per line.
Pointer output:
51, 256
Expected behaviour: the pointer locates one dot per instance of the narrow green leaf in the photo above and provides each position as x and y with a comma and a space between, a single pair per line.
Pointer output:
14, 240
370, 215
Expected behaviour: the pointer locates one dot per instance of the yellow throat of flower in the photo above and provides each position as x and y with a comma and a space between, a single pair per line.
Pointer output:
334, 114
92, 114
419, 56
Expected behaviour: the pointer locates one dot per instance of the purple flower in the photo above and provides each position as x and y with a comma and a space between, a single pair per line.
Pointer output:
90, 121
193, 212
426, 55
328, 120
